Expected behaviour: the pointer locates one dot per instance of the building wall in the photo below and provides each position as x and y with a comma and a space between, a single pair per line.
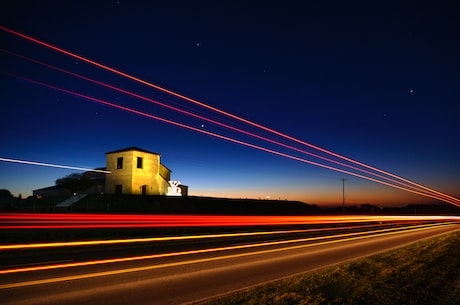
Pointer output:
164, 177
117, 176
147, 175
136, 180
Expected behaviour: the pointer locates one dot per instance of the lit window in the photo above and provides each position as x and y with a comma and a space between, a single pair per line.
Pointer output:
120, 163
139, 162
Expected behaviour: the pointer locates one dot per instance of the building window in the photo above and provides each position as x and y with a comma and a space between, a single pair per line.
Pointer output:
118, 189
139, 162
120, 163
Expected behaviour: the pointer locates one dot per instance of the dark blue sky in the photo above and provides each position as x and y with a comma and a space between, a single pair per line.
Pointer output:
374, 82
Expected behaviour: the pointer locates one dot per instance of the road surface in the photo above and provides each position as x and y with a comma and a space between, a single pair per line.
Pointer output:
192, 278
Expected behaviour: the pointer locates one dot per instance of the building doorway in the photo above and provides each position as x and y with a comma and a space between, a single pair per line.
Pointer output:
144, 190
118, 189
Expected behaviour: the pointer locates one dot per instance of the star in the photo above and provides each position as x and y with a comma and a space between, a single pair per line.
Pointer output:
411, 91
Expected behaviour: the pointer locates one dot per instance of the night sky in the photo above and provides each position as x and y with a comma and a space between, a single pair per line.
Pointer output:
378, 83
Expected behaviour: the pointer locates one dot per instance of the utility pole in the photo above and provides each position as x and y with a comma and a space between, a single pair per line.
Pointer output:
343, 195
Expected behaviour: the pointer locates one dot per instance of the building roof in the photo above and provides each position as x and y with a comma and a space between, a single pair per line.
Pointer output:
50, 188
132, 148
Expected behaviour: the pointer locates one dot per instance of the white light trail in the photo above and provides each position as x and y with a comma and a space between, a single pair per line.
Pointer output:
54, 165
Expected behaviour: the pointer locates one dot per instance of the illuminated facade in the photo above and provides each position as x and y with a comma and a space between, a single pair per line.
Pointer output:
136, 171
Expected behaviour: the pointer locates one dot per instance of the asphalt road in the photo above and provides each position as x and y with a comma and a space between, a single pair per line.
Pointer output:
191, 278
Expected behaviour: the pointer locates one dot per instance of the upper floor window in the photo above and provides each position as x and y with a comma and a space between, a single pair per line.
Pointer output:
119, 162
139, 162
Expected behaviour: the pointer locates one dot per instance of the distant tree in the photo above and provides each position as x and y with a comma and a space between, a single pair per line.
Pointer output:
5, 194
74, 182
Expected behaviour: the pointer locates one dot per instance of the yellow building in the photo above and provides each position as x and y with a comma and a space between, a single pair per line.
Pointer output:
136, 171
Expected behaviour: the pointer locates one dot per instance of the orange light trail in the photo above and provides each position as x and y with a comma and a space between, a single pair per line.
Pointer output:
183, 237
325, 239
100, 101
435, 194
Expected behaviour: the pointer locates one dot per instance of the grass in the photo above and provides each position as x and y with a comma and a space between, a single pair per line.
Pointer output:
427, 272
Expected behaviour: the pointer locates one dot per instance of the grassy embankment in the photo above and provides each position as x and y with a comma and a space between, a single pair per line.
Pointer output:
427, 272
157, 204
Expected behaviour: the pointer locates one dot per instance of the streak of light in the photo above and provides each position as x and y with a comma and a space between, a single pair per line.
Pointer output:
450, 199
62, 221
54, 165
150, 100
322, 240
182, 237
103, 102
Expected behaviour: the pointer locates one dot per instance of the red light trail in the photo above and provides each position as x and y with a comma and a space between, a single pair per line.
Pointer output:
86, 221
206, 119
422, 190
100, 101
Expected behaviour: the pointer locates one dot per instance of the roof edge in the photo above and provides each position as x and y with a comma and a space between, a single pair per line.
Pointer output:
132, 148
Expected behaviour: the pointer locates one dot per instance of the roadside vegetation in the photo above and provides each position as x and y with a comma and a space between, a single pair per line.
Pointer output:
427, 272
